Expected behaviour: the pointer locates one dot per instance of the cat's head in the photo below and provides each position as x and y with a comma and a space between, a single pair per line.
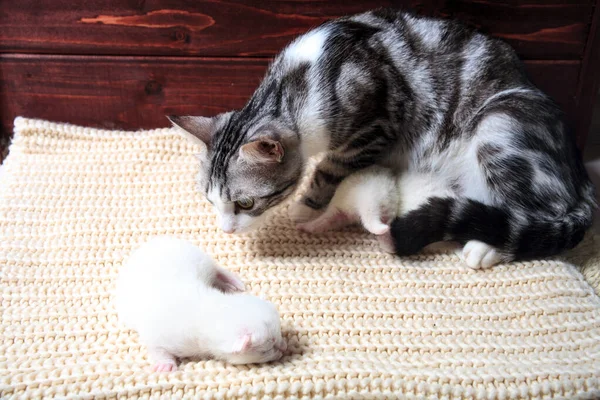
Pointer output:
248, 166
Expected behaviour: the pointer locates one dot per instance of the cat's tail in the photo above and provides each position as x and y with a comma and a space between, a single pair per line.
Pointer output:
514, 236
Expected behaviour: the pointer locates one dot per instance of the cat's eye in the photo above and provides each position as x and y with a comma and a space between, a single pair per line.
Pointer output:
245, 204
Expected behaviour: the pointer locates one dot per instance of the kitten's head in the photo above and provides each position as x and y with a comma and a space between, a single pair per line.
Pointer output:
248, 167
255, 332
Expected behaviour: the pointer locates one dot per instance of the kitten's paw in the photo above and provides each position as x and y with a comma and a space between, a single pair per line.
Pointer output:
300, 213
163, 360
387, 243
479, 255
378, 229
306, 227
167, 366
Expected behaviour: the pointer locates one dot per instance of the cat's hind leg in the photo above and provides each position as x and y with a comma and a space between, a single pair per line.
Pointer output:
425, 203
162, 359
455, 219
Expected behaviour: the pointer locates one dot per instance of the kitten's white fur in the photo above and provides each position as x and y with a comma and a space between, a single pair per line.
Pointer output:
375, 196
369, 196
176, 297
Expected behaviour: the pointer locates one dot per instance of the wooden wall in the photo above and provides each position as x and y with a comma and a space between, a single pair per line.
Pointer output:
127, 63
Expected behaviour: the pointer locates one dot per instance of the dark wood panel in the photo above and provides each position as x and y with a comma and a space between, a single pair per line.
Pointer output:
538, 29
137, 92
589, 81
535, 30
558, 79
123, 92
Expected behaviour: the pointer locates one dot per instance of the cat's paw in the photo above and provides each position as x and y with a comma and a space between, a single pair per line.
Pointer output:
377, 229
306, 227
167, 366
386, 242
479, 255
163, 360
300, 213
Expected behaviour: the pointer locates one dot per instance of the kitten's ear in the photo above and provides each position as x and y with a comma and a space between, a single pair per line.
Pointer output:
242, 344
263, 150
197, 129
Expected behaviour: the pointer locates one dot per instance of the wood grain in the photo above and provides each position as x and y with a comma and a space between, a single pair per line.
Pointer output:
589, 82
137, 92
538, 29
123, 92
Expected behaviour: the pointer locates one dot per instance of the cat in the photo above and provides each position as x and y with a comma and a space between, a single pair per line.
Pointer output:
182, 304
414, 94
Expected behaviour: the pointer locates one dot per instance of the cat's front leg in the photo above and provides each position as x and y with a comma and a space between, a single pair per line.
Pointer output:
323, 183
331, 219
300, 213
361, 150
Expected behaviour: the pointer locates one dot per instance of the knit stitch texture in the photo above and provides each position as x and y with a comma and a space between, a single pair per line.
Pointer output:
359, 323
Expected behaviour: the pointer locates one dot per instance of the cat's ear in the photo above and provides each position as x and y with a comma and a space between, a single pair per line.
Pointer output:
197, 129
262, 150
242, 344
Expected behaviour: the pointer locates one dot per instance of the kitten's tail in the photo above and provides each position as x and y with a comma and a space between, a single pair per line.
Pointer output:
461, 220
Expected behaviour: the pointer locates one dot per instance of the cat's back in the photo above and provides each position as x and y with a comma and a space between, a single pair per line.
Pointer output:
417, 35
425, 51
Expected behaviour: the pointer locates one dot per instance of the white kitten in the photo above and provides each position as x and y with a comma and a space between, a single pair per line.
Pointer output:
175, 297
369, 196
375, 196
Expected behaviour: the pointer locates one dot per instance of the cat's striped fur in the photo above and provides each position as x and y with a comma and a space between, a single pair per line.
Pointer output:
415, 94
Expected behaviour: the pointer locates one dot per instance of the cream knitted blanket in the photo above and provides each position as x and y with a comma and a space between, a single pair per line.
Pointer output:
359, 323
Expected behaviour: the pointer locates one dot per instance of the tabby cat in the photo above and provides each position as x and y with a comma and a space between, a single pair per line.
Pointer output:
414, 94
